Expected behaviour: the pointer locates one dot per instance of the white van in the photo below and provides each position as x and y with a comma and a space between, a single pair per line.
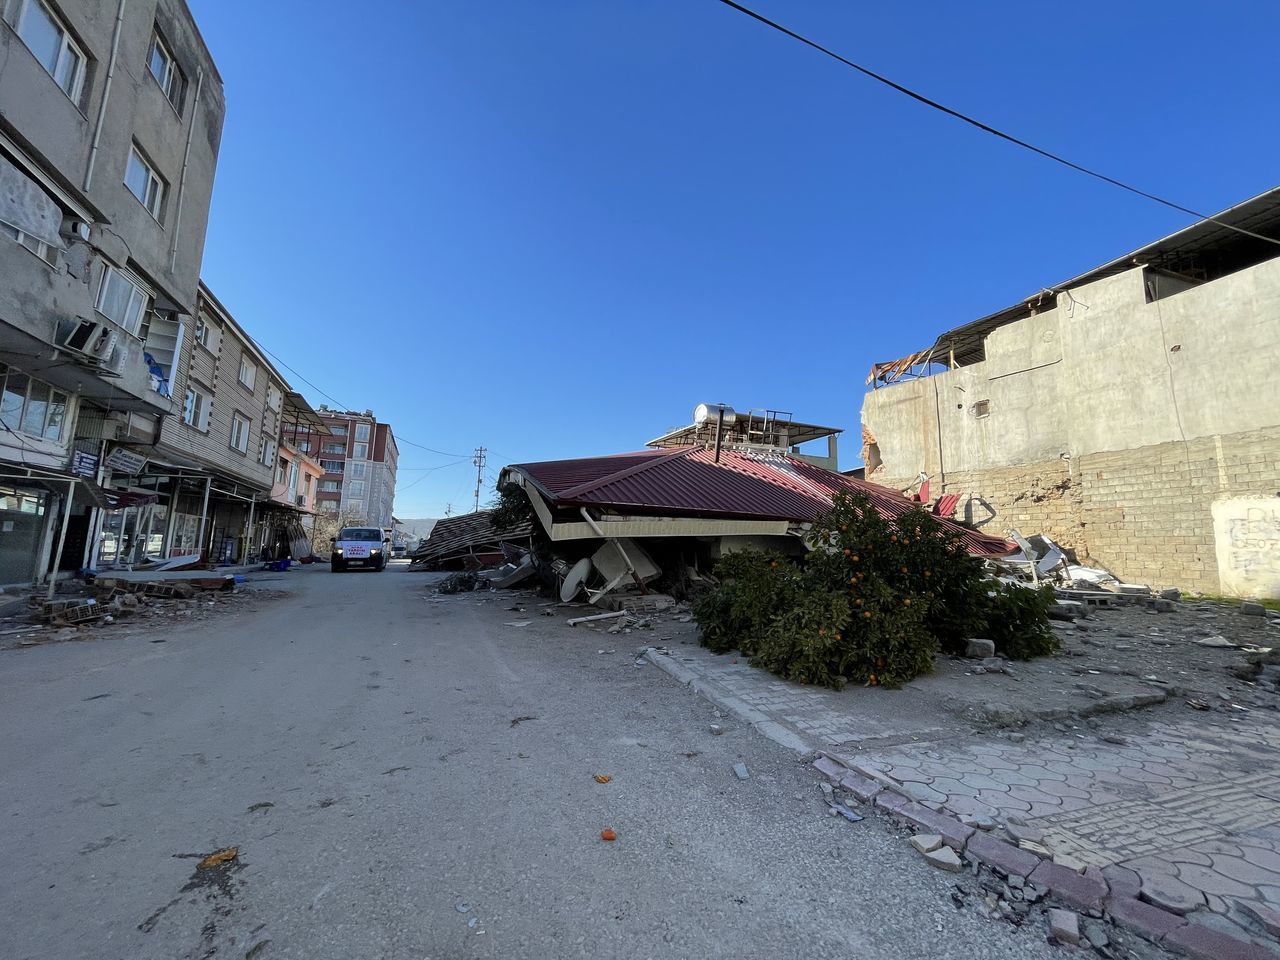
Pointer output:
359, 547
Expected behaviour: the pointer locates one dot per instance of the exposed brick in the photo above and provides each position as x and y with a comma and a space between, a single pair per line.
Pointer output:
830, 769
1142, 918
1002, 856
1203, 943
1084, 893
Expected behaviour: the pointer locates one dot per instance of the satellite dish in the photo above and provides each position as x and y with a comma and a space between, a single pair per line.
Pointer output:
574, 579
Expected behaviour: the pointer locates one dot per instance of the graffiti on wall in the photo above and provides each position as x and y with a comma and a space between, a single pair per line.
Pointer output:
1247, 536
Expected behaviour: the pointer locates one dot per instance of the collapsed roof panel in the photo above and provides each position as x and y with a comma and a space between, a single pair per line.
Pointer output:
471, 536
692, 482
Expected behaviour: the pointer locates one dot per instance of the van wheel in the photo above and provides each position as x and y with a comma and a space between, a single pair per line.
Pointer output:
339, 568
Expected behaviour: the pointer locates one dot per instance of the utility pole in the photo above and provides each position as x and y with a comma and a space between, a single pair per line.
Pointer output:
448, 509
479, 462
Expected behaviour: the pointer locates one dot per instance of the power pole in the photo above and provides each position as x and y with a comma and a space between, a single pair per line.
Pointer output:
448, 509
479, 462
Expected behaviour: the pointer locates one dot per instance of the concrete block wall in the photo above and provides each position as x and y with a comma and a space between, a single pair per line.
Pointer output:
1145, 514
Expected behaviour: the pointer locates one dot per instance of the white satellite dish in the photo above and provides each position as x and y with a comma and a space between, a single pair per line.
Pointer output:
574, 579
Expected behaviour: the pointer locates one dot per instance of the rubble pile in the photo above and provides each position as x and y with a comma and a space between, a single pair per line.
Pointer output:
108, 601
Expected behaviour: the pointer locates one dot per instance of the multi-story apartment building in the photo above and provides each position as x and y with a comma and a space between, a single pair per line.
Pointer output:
110, 121
219, 482
359, 458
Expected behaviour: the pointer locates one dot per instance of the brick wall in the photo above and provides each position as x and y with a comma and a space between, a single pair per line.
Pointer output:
1144, 514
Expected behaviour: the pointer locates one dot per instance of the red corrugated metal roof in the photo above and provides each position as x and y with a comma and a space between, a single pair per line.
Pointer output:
688, 482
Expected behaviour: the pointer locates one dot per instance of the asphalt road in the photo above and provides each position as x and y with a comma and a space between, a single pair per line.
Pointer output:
408, 815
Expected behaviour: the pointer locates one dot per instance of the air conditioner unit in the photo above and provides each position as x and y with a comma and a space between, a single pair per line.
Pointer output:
90, 339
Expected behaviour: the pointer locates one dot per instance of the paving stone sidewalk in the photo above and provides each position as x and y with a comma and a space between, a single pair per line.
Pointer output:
1190, 803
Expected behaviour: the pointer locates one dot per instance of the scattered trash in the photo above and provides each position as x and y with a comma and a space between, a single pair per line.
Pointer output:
223, 856
519, 720
1196, 704
602, 778
845, 812
253, 952
608, 834
462, 907
471, 924
518, 623
740, 770
1216, 641
599, 616
263, 805
716, 729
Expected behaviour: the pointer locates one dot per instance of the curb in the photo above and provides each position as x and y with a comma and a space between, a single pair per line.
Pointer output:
727, 702
1095, 889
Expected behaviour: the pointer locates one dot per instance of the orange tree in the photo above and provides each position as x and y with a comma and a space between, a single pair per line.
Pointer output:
874, 602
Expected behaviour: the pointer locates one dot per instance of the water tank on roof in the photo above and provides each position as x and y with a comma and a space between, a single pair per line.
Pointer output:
709, 413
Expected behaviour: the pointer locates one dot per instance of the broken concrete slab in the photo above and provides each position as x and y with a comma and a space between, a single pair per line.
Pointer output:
926, 842
1252, 609
944, 858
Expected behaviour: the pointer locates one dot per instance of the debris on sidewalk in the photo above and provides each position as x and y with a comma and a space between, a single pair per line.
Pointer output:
602, 778
944, 858
608, 834
741, 772
218, 858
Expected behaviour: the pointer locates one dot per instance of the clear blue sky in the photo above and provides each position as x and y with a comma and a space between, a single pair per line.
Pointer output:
552, 228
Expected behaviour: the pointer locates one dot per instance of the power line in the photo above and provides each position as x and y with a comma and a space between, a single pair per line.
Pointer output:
329, 396
987, 128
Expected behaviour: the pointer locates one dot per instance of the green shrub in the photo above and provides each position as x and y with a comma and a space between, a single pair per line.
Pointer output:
1018, 620
873, 602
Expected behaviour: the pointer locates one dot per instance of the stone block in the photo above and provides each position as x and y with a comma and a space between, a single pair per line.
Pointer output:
1083, 893
978, 649
1251, 609
953, 832
830, 769
864, 788
1064, 926
1203, 943
1002, 856
1142, 918
891, 802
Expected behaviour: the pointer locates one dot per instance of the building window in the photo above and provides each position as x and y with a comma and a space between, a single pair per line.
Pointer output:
338, 430
165, 69
361, 451
266, 451
144, 183
195, 409
330, 486
362, 431
274, 397
239, 433
280, 469
248, 371
355, 507
305, 446
51, 43
329, 506
200, 332
335, 448
331, 466
355, 488
357, 471
122, 300
31, 406
46, 252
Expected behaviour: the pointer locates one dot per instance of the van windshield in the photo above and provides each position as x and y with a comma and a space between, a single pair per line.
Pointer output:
360, 533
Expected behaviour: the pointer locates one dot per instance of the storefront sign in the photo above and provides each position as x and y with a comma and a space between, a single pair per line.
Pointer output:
84, 464
126, 461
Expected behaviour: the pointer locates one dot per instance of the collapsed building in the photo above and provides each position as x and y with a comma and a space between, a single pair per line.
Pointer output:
1132, 413
726, 483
